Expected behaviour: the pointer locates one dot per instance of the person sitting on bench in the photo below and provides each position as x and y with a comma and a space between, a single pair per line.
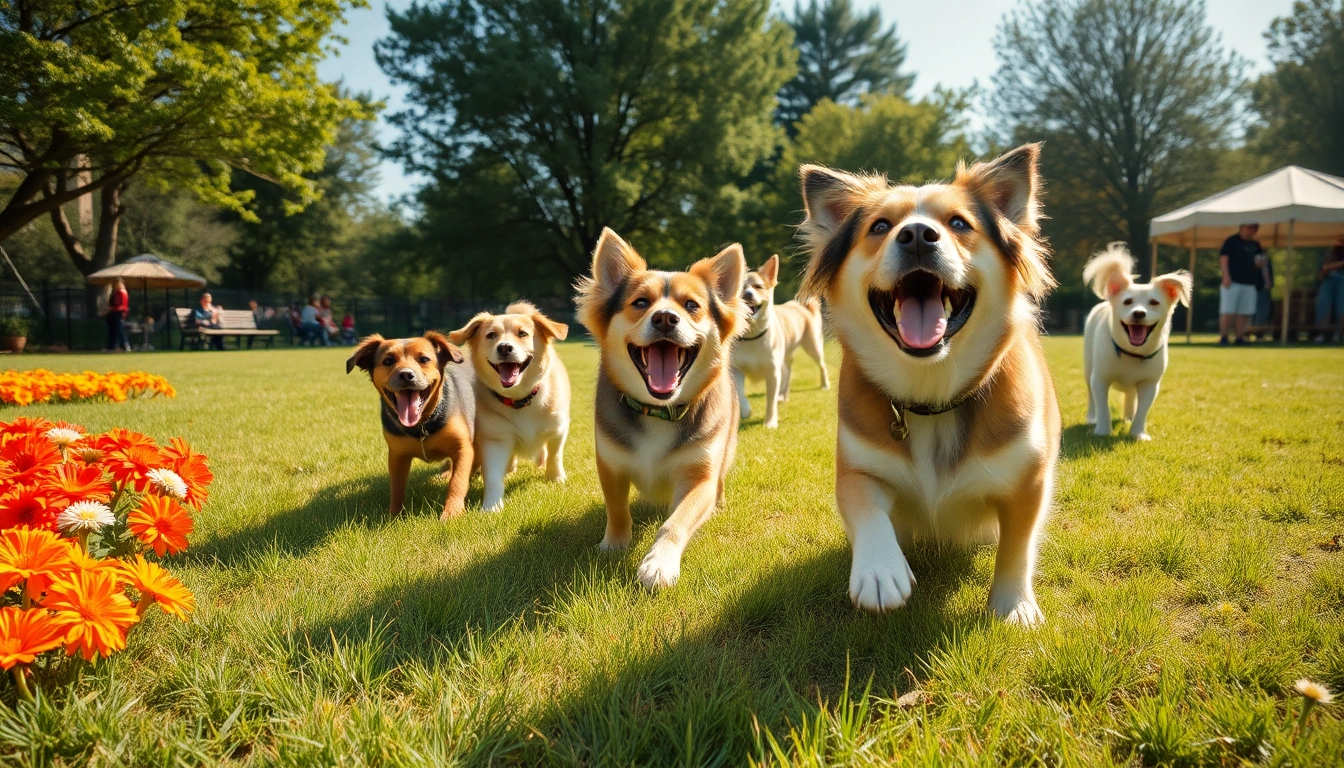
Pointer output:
311, 327
207, 316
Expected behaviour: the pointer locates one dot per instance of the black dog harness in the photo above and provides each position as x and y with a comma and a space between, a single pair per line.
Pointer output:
521, 402
1119, 351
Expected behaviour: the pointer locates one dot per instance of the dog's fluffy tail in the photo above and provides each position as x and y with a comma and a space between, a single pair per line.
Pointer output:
1114, 260
521, 307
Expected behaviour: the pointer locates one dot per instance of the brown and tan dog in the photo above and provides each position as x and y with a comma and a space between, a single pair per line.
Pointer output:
949, 427
774, 333
522, 393
428, 409
666, 411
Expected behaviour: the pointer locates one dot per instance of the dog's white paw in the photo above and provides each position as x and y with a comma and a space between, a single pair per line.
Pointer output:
772, 424
612, 543
559, 477
881, 585
1102, 430
1140, 436
661, 568
492, 505
1020, 611
746, 411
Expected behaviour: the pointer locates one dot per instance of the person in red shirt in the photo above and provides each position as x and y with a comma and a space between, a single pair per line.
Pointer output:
118, 309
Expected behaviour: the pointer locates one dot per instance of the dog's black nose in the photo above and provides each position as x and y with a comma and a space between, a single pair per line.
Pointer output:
407, 375
1139, 314
665, 320
504, 349
915, 238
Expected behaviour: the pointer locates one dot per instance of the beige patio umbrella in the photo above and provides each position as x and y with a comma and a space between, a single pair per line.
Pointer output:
148, 271
1294, 207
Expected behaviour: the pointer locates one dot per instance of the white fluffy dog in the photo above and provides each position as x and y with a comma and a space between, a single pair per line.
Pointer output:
1125, 339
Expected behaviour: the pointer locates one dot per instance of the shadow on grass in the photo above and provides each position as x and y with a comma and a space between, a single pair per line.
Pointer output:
688, 697
1079, 441
360, 502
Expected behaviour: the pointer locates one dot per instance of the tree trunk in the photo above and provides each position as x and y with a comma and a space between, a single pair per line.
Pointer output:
34, 198
1138, 241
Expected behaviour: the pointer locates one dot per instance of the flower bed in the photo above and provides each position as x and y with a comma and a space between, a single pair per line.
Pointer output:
84, 520
41, 386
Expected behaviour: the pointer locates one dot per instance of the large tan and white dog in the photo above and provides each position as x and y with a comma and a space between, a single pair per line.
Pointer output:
522, 394
949, 428
765, 350
666, 412
1125, 338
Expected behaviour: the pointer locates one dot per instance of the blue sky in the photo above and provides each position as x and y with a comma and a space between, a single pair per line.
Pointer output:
948, 43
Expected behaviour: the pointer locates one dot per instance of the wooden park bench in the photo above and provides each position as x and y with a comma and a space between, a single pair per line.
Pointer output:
238, 323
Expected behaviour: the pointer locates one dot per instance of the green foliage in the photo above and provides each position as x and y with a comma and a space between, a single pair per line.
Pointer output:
842, 56
542, 122
185, 91
13, 325
1301, 102
1135, 100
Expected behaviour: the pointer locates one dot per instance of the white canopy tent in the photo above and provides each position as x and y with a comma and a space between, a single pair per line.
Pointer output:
1295, 207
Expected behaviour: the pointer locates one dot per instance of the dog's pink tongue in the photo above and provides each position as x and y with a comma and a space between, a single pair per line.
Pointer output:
1137, 334
663, 367
408, 408
509, 373
922, 323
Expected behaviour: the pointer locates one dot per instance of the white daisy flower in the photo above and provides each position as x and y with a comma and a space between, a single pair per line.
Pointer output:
168, 483
62, 437
84, 516
1315, 691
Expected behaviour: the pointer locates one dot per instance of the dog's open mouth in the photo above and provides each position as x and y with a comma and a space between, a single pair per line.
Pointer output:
751, 308
662, 364
1138, 334
921, 313
409, 404
510, 373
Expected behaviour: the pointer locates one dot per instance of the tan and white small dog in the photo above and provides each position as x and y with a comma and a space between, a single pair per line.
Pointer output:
522, 394
666, 413
1125, 338
765, 350
949, 427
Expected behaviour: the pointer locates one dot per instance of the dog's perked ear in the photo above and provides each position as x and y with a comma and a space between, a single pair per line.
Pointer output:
1177, 285
829, 196
446, 351
1010, 184
1108, 273
464, 334
599, 295
549, 327
769, 271
364, 354
724, 273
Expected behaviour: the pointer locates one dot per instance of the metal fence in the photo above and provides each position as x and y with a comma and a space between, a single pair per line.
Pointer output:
68, 317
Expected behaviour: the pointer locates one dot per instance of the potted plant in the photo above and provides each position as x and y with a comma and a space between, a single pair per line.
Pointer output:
13, 333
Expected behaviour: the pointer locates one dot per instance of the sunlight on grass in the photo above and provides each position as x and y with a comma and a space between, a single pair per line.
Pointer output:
1186, 582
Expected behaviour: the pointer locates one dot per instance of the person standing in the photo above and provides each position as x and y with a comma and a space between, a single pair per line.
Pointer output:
1330, 296
1240, 259
118, 309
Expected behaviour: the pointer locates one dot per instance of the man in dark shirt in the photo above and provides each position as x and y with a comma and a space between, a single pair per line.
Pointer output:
1241, 259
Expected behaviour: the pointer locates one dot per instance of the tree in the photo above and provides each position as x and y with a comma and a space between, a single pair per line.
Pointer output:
1301, 102
93, 92
1134, 99
841, 57
541, 122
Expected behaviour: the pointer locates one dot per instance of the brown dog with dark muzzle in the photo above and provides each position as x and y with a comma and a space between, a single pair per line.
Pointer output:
428, 409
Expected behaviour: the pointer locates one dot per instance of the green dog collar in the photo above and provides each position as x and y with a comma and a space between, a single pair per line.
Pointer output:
664, 412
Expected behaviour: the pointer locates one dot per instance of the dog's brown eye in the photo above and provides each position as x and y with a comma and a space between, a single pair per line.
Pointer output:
389, 360
880, 227
1128, 302
424, 359
692, 306
641, 304
491, 335
959, 224
1152, 302
522, 334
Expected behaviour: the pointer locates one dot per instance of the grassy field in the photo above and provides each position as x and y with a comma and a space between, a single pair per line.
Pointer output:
1186, 582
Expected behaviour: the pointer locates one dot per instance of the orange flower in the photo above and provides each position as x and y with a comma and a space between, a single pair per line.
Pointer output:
25, 634
24, 426
95, 612
27, 552
156, 585
130, 466
30, 506
120, 438
192, 468
33, 457
73, 482
161, 523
